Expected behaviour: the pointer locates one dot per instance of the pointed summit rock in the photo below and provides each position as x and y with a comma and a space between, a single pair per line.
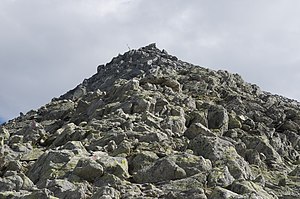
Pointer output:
148, 125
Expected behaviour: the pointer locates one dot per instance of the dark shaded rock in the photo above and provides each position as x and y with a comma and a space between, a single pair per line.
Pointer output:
218, 118
88, 169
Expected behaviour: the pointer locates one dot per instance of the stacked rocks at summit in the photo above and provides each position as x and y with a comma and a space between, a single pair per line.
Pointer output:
148, 125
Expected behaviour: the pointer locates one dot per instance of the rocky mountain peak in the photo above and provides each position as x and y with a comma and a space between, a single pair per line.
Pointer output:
148, 125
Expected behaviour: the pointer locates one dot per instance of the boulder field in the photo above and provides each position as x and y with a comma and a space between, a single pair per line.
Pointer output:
148, 125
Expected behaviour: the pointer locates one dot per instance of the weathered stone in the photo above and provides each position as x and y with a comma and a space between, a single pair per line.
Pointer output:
162, 170
13, 181
113, 165
63, 189
209, 147
70, 132
219, 177
191, 164
295, 172
32, 155
142, 160
262, 146
109, 180
190, 194
106, 192
248, 187
221, 193
186, 184
52, 164
218, 118
233, 122
37, 194
76, 147
197, 129
88, 169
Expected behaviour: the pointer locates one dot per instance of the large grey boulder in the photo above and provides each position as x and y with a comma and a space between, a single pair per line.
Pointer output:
162, 170
191, 164
88, 169
219, 177
62, 188
219, 150
218, 118
211, 147
141, 160
52, 164
185, 185
252, 189
197, 129
117, 166
262, 145
221, 193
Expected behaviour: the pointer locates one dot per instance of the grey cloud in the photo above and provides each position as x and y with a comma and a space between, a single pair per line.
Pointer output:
48, 47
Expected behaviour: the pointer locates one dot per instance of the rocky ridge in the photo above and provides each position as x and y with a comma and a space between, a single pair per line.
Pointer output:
148, 125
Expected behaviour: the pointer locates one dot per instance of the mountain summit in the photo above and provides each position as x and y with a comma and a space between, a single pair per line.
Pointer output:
148, 125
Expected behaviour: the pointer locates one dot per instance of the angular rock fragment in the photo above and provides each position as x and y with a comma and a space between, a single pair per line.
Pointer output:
88, 169
162, 170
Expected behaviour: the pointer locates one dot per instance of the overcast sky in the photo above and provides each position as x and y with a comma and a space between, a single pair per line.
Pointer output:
47, 47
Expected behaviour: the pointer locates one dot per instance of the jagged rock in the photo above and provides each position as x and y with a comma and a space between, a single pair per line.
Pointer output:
295, 172
148, 125
51, 165
117, 166
197, 129
14, 165
109, 180
251, 188
221, 193
43, 193
106, 192
220, 177
262, 146
64, 189
190, 194
32, 155
218, 118
213, 148
192, 183
162, 170
191, 164
88, 169
14, 181
70, 132
233, 122
142, 160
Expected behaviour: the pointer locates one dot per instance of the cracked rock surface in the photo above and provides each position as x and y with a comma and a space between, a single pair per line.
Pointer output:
148, 125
